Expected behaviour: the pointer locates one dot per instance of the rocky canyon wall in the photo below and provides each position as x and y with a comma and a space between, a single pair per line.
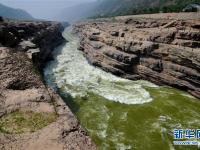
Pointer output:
162, 48
24, 49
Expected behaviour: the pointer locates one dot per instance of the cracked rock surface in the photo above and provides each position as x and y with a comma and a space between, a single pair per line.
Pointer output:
22, 88
161, 48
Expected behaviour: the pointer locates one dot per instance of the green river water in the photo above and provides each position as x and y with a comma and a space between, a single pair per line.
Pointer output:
120, 114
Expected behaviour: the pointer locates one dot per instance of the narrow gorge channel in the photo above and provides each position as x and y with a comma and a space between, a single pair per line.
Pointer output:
119, 113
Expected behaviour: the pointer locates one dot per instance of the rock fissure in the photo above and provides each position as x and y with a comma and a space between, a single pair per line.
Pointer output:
164, 51
25, 47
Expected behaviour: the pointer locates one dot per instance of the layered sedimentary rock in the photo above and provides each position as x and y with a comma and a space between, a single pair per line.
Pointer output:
34, 38
24, 49
163, 48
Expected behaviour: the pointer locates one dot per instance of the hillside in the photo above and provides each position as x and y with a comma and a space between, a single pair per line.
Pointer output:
77, 12
12, 13
108, 8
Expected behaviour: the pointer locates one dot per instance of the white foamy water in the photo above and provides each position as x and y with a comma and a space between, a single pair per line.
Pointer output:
73, 74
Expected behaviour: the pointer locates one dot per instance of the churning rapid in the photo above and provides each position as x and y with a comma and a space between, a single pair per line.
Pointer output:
119, 113
76, 76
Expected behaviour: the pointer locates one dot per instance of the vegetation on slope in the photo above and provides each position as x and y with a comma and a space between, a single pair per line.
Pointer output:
21, 122
109, 8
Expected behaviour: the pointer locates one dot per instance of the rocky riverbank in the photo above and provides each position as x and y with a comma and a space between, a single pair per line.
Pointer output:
162, 48
32, 116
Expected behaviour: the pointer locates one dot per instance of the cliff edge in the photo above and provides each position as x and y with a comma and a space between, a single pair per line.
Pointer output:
32, 116
161, 48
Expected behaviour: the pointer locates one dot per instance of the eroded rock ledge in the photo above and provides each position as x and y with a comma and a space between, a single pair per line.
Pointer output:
163, 48
24, 49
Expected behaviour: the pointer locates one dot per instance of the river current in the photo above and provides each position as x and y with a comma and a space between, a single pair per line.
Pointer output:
118, 113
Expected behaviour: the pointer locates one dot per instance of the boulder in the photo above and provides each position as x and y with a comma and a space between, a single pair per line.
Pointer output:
32, 52
94, 38
26, 45
114, 33
96, 33
163, 37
